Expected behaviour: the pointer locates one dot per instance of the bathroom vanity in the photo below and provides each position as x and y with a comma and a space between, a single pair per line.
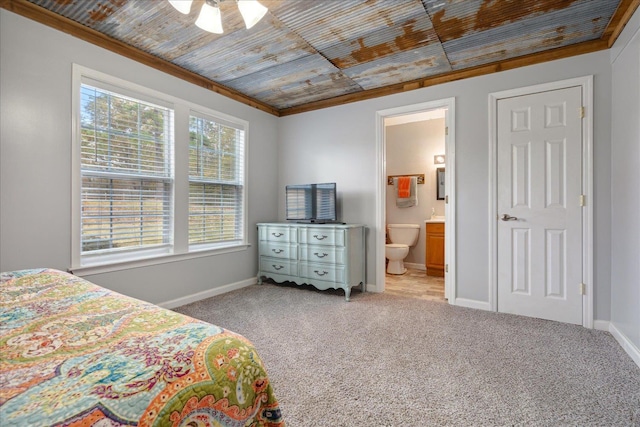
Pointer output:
434, 251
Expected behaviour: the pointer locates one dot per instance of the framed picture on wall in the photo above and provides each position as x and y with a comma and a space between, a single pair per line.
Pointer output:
440, 183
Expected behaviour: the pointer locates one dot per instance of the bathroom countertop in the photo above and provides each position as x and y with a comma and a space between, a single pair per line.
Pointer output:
435, 219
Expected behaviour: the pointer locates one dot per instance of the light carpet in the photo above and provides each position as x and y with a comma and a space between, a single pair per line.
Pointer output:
385, 360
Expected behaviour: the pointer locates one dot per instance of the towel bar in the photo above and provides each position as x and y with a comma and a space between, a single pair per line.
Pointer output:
419, 175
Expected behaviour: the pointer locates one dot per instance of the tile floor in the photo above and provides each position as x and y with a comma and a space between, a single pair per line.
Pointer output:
415, 284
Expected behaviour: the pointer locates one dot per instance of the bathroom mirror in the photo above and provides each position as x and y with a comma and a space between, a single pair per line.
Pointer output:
440, 183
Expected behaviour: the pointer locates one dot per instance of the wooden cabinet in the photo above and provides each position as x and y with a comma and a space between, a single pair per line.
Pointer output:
323, 255
434, 256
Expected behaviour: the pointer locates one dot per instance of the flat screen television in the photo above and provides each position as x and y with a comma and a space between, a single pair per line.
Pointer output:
311, 202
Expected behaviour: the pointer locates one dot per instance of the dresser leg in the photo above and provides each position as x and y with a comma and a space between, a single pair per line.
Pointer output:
259, 280
347, 292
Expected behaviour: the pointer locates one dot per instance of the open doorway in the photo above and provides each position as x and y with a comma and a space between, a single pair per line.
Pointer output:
412, 141
415, 148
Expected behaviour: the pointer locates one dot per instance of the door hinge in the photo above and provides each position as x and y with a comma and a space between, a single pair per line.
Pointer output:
582, 112
446, 130
583, 289
583, 200
446, 199
446, 268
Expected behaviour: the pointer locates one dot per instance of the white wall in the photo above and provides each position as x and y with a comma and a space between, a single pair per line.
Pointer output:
625, 184
339, 144
410, 150
35, 161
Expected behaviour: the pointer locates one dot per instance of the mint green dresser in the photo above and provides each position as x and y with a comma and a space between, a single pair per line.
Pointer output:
323, 255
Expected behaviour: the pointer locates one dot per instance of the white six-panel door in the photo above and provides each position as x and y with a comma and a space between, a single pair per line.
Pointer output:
539, 176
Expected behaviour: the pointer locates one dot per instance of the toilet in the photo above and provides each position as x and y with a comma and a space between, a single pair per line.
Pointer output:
402, 236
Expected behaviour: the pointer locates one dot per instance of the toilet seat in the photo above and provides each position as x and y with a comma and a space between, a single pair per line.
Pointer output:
396, 245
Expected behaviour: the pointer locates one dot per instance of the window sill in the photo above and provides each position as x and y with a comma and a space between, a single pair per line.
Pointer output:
155, 260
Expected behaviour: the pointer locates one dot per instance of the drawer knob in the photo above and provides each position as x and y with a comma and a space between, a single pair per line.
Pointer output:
278, 251
320, 256
277, 234
320, 238
277, 267
321, 274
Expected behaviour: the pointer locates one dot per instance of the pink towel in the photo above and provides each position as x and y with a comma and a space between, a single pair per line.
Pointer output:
404, 187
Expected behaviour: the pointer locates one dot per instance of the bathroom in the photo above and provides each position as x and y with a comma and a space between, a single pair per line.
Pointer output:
414, 144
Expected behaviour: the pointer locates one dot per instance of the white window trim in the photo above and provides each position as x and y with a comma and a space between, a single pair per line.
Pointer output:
155, 260
180, 250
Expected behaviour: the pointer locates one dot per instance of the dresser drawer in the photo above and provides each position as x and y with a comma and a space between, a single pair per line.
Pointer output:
279, 250
330, 273
323, 254
278, 266
320, 236
274, 233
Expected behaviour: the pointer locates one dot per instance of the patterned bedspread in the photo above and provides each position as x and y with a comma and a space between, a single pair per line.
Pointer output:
75, 354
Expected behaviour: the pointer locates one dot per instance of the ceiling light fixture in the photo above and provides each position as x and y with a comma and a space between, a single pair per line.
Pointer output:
251, 11
182, 6
210, 18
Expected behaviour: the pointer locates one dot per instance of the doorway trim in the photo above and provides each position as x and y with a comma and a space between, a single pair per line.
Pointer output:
586, 85
450, 185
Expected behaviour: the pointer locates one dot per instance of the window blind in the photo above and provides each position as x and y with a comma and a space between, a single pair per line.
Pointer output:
127, 172
216, 181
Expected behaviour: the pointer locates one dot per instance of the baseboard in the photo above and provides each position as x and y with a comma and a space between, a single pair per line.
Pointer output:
415, 266
601, 325
208, 293
629, 347
472, 303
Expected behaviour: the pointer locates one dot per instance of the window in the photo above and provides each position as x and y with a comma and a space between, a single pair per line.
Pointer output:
216, 175
130, 197
127, 177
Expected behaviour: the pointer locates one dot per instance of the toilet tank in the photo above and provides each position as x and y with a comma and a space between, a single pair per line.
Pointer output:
406, 234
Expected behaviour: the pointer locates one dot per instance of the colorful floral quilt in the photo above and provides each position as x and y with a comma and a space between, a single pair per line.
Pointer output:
75, 354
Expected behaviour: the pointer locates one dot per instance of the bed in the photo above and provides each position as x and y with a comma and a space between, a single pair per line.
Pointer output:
73, 353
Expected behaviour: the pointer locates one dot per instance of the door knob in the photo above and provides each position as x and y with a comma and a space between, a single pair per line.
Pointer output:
507, 217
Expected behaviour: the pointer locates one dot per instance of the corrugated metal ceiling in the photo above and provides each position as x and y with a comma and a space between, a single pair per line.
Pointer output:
305, 51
